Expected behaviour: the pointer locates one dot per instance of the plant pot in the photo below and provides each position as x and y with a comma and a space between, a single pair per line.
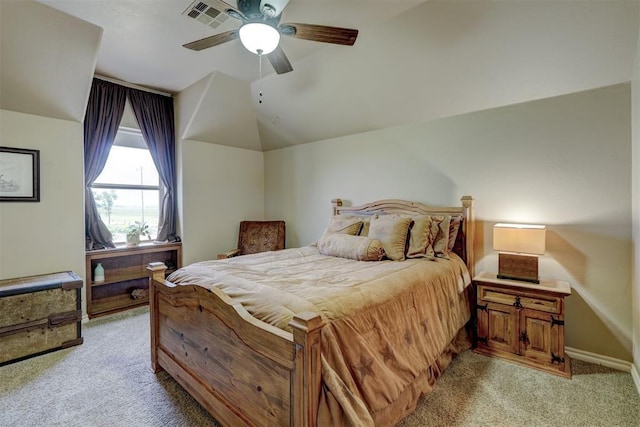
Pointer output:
133, 239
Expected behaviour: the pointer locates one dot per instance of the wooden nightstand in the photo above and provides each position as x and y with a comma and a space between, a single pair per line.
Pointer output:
523, 322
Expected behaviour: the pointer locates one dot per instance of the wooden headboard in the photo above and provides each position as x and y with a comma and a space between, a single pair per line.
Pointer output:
465, 239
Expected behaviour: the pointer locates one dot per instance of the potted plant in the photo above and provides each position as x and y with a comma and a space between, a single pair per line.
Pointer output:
134, 232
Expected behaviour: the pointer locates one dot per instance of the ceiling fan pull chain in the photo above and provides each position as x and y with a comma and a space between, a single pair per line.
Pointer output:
260, 75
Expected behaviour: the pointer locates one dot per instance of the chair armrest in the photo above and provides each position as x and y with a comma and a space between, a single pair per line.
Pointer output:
229, 254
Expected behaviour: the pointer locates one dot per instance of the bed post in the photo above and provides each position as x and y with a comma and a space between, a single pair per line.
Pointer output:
337, 203
156, 274
306, 380
469, 233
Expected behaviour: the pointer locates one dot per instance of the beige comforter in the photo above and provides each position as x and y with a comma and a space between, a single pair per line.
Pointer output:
386, 323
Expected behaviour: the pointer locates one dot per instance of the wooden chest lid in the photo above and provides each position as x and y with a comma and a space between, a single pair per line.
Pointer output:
63, 279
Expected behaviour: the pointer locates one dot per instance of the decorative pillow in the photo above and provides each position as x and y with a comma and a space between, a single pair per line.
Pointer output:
366, 220
391, 231
419, 236
454, 227
359, 248
439, 237
344, 225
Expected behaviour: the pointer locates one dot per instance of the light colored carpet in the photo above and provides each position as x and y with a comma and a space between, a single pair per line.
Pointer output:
107, 381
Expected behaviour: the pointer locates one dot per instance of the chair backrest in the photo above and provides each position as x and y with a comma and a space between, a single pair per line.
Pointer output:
261, 236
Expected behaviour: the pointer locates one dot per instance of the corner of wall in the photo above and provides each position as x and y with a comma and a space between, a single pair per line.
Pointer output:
635, 200
189, 102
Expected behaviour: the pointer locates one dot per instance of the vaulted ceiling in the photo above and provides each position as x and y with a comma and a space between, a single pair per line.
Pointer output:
143, 40
413, 61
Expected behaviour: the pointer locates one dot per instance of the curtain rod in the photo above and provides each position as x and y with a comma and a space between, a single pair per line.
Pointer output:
131, 85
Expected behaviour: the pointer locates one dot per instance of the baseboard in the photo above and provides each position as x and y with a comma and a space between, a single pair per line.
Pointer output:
636, 377
599, 359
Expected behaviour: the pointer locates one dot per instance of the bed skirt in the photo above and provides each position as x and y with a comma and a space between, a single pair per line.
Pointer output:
406, 403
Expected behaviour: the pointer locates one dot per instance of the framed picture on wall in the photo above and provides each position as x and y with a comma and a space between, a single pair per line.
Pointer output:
19, 175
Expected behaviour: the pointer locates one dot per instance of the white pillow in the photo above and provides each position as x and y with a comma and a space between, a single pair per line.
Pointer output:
359, 248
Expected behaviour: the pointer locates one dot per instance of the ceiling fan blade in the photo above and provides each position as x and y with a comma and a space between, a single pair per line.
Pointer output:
320, 33
279, 61
211, 41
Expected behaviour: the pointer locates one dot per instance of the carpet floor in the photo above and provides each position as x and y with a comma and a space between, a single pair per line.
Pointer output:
107, 381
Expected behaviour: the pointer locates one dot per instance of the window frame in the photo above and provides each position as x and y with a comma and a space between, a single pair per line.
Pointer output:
107, 186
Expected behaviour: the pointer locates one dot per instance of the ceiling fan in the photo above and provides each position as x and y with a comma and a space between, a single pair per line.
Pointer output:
261, 29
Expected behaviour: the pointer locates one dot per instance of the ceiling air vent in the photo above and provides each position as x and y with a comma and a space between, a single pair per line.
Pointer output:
201, 11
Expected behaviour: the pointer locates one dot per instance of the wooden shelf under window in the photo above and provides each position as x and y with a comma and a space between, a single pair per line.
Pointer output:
116, 303
117, 278
125, 269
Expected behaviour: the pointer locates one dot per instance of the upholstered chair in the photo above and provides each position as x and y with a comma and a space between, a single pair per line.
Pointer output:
258, 236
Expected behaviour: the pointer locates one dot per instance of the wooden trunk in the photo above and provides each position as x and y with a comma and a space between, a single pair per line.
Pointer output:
39, 314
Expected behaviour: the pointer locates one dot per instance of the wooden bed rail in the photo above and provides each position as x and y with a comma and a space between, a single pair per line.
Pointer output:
242, 370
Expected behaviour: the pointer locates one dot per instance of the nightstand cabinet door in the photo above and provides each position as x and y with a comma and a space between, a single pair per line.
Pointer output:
498, 327
535, 336
542, 338
523, 323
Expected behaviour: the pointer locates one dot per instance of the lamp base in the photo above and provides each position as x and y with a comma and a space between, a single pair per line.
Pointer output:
518, 267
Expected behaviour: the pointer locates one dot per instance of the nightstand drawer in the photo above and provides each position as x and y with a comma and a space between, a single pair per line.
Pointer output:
549, 305
520, 299
495, 295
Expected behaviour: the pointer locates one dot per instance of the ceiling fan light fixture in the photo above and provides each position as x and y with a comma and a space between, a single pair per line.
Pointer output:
259, 38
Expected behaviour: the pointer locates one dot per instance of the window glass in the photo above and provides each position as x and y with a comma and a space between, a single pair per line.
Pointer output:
120, 208
127, 165
128, 189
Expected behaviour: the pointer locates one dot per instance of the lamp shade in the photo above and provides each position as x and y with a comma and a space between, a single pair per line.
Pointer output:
259, 38
520, 238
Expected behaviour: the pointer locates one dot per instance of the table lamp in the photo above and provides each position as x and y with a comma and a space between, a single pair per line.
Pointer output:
522, 244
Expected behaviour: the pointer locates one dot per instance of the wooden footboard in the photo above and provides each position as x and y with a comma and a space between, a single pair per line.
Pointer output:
241, 370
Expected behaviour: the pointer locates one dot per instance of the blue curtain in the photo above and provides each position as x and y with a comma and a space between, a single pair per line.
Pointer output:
154, 114
101, 122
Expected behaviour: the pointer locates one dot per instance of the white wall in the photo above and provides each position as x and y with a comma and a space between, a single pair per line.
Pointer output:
220, 186
45, 237
564, 162
635, 125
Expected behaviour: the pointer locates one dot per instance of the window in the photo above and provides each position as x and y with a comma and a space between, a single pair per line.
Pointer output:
128, 189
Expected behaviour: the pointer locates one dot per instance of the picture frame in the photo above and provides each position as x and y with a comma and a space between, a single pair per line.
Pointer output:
19, 175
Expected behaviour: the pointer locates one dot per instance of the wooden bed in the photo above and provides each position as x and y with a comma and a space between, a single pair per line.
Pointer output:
244, 371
